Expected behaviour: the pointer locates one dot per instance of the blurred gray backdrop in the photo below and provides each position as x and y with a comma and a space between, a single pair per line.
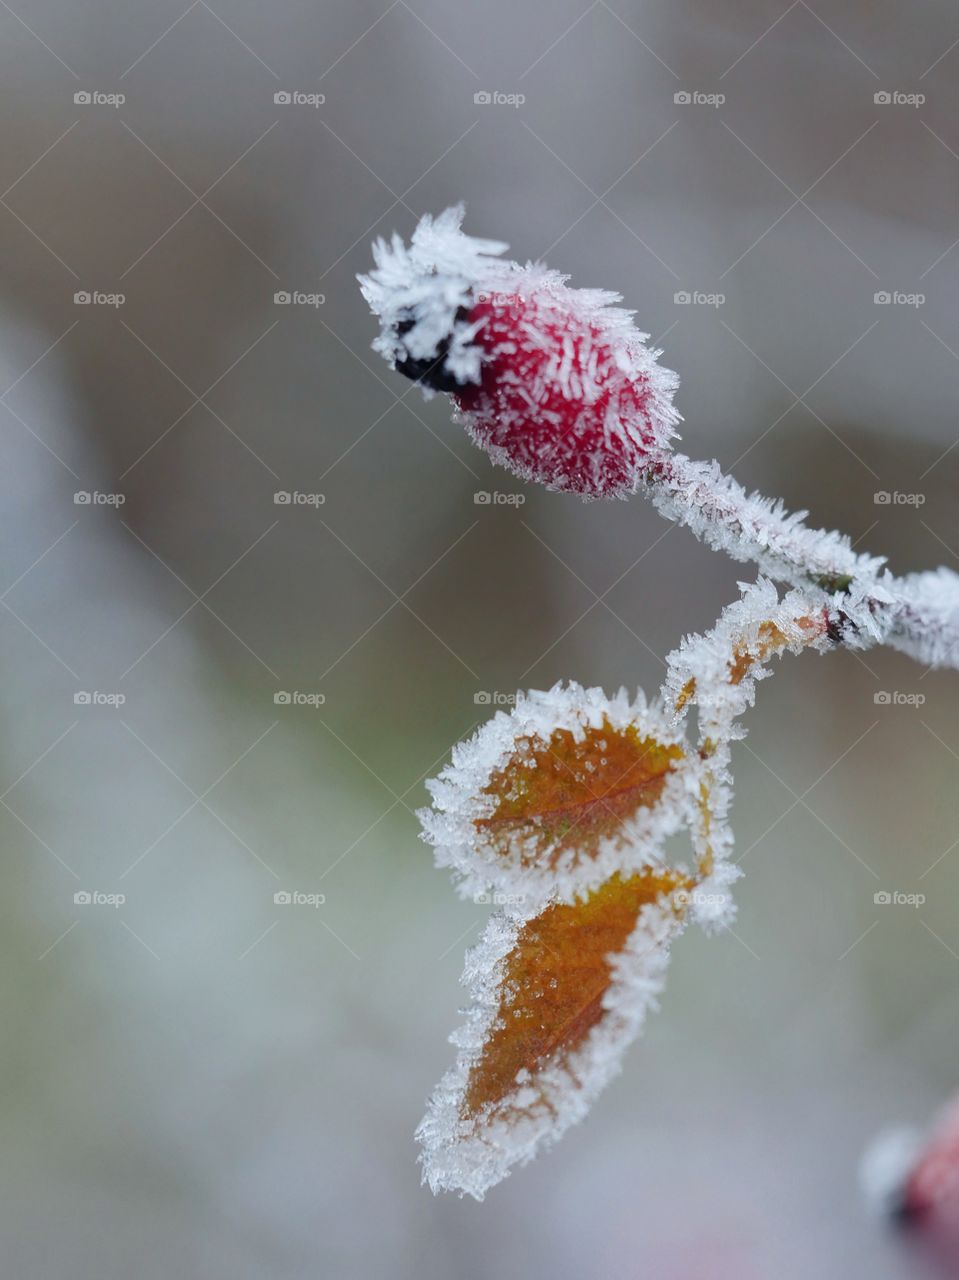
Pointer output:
201, 1081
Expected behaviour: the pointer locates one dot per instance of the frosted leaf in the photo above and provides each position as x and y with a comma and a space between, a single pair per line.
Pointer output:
554, 796
558, 995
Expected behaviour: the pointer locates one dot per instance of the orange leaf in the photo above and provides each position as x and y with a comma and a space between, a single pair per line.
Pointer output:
554, 980
553, 798
569, 793
559, 996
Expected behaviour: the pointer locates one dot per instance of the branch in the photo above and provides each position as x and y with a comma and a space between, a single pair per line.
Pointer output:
559, 386
917, 614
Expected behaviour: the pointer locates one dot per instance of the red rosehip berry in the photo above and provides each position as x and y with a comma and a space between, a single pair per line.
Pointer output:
568, 393
554, 383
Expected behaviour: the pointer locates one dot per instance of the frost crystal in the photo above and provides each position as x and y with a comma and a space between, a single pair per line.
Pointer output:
421, 293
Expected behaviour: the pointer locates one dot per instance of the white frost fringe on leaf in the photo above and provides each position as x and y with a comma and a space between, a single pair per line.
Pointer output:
458, 800
470, 1156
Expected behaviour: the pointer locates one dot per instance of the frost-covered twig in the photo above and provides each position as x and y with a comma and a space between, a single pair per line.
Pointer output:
559, 386
918, 614
558, 811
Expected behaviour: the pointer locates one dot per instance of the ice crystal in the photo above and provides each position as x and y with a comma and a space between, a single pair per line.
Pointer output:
422, 291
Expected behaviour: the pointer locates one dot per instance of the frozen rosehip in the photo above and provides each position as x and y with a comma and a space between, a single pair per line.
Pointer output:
554, 383
913, 1177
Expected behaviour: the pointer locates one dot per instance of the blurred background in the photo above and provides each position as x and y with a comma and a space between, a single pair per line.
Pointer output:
211, 697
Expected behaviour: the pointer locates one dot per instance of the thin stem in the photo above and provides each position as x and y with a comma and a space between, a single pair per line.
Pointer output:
918, 614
